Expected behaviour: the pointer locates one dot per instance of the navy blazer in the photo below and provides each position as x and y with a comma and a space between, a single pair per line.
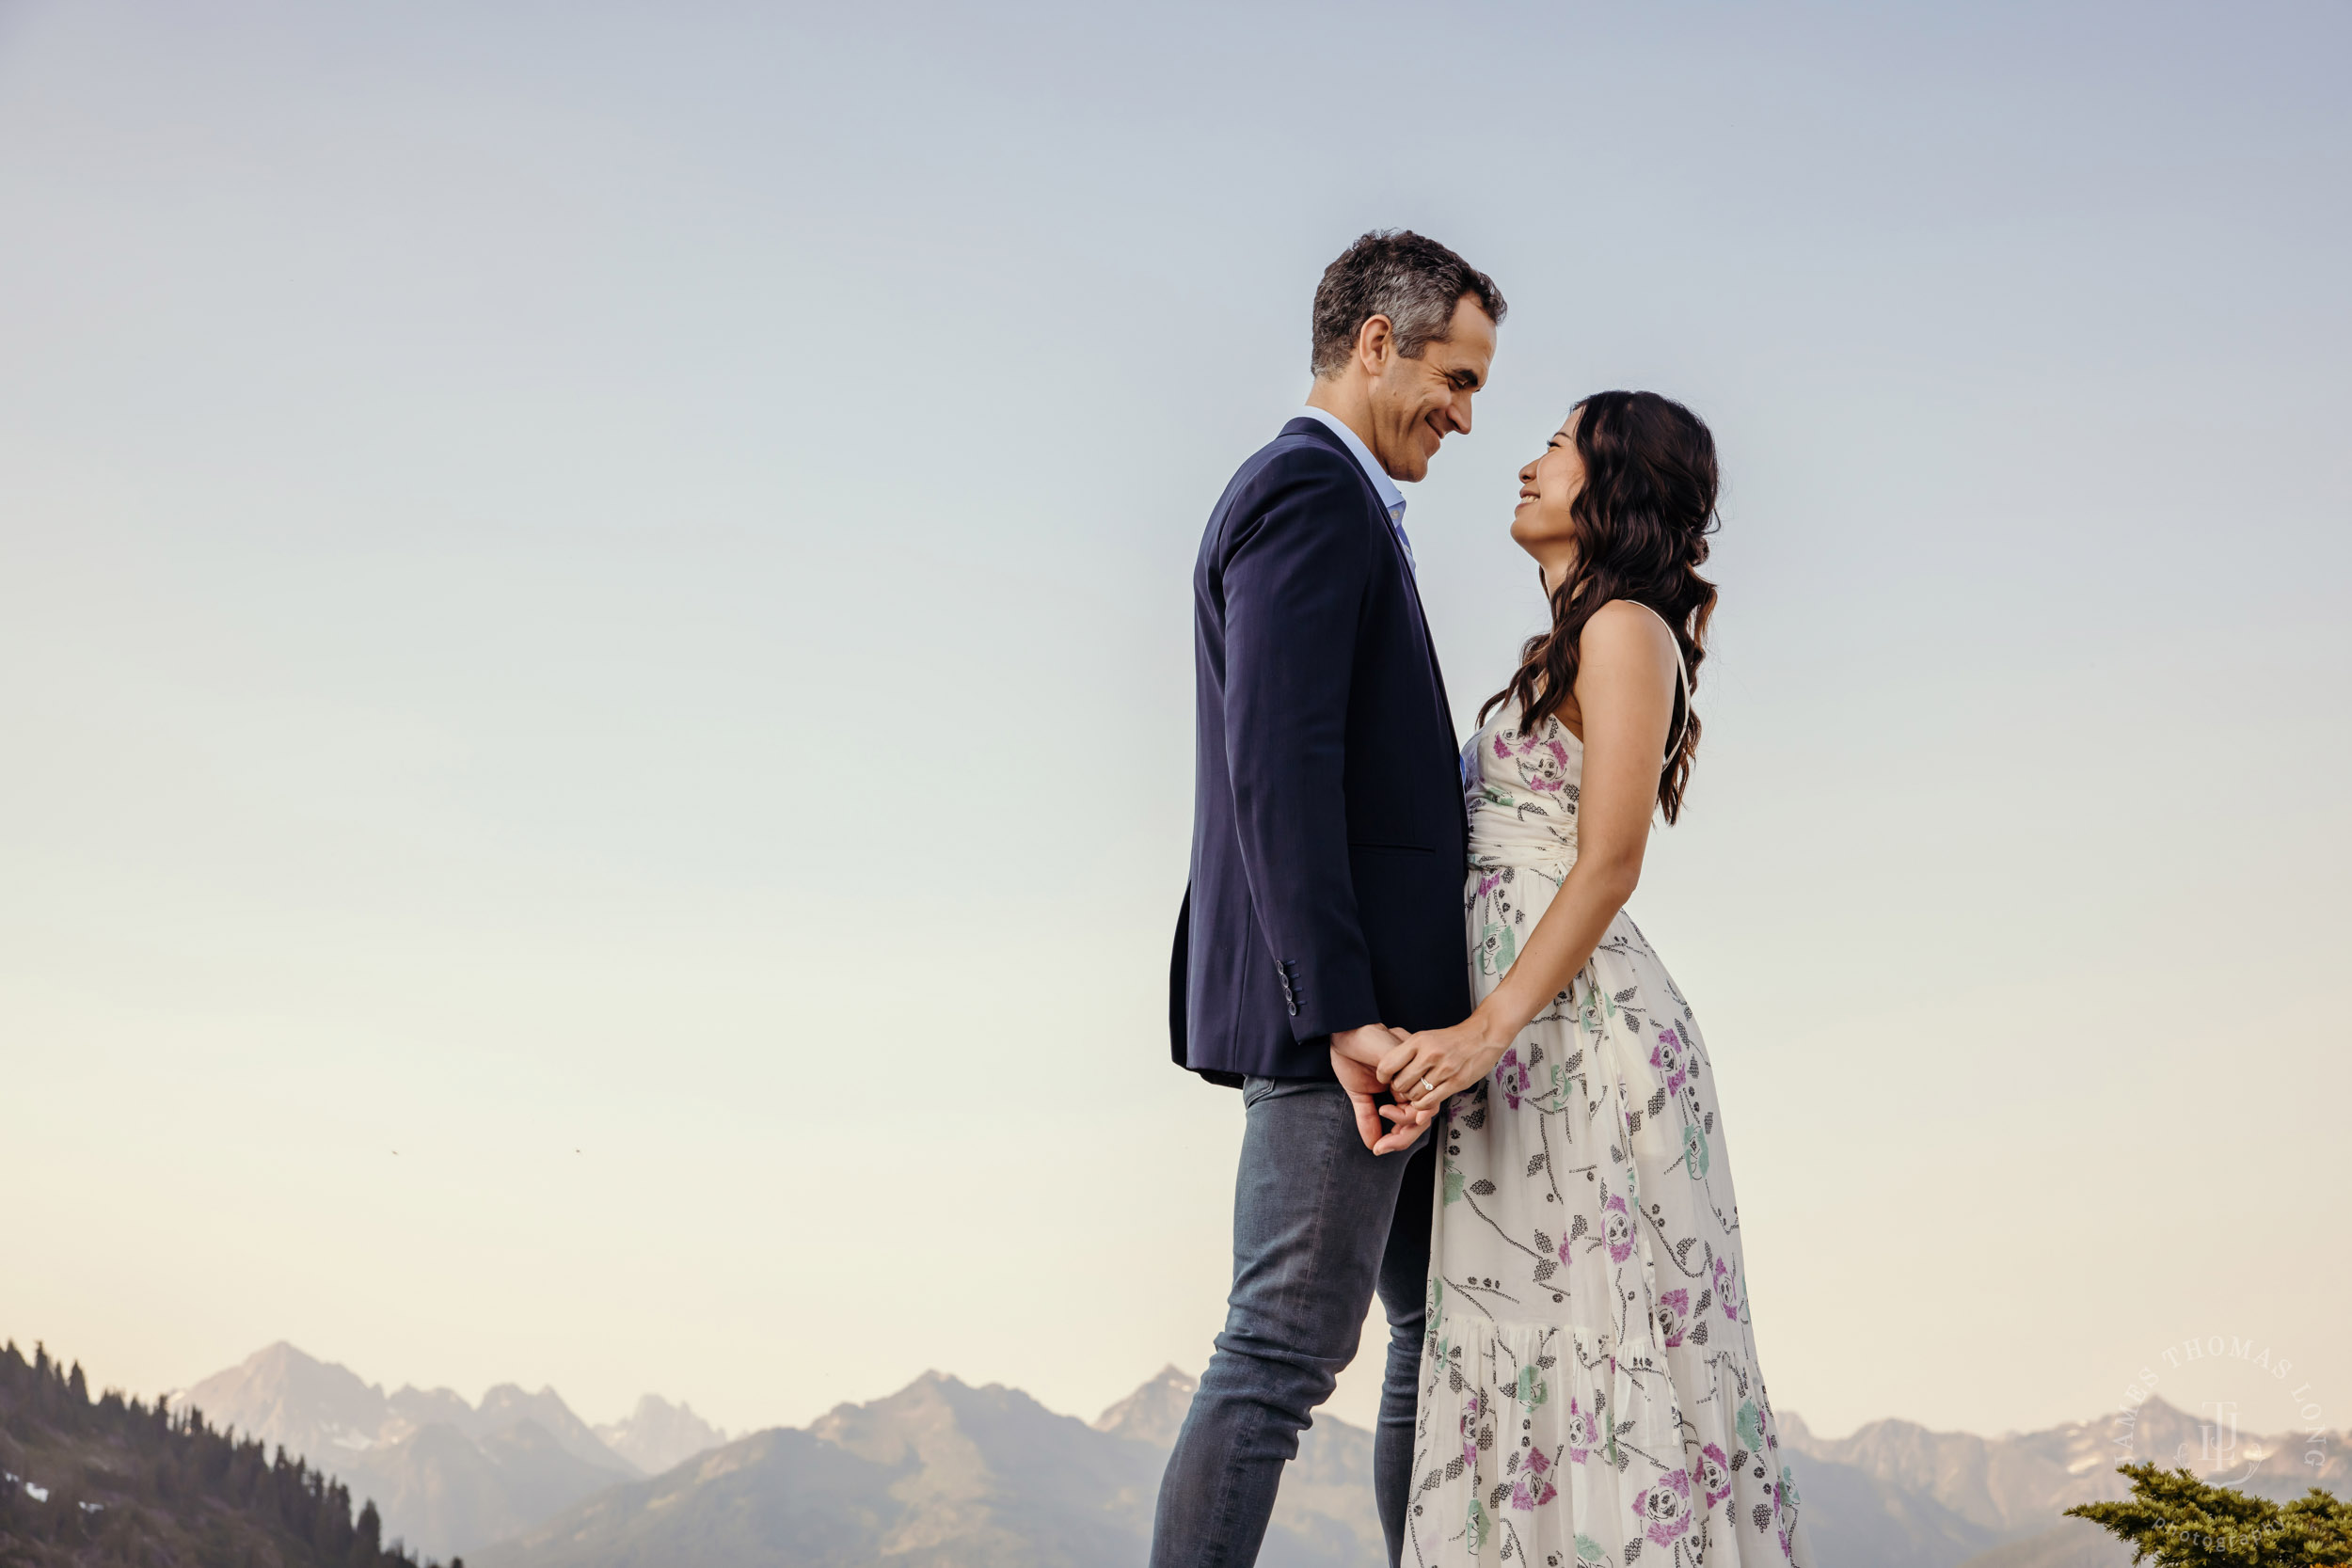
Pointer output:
1329, 837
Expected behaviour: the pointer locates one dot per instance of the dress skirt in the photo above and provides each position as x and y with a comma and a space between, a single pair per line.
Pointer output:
1590, 1392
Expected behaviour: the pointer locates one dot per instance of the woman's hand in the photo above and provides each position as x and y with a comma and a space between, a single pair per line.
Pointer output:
1427, 1068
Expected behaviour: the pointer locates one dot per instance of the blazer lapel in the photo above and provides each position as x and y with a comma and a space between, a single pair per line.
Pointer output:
1316, 430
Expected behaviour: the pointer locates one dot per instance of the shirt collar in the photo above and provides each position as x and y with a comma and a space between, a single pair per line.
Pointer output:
1391, 496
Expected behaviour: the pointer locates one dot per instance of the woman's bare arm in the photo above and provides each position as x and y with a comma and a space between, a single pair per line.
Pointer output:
1624, 687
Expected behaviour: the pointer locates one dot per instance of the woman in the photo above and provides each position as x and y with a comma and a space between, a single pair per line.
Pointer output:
1589, 1384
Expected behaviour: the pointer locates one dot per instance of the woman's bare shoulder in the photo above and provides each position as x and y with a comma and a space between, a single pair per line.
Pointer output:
1624, 630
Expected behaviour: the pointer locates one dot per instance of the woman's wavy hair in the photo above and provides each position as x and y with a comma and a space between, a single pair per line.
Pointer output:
1642, 522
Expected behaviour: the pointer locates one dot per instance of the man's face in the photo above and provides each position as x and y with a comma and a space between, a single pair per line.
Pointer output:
1417, 403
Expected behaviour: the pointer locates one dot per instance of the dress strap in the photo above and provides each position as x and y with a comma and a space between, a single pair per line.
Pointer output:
1682, 679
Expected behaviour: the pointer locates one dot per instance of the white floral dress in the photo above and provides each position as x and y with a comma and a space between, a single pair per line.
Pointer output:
1589, 1388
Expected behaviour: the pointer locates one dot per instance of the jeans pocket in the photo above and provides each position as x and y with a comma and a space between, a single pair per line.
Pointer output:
1255, 1089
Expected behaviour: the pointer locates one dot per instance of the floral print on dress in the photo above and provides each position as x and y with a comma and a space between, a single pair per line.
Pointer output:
1590, 1392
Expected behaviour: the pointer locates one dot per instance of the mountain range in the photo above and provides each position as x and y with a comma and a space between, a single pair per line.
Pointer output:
447, 1475
943, 1475
1931, 1492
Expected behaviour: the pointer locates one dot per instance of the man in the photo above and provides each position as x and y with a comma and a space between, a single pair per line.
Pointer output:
1324, 912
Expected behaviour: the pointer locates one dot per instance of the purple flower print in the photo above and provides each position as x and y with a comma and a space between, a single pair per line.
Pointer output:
1579, 1432
1470, 1434
1664, 1506
1532, 1491
1512, 1076
1723, 1291
1714, 1474
1666, 1057
1674, 1316
1487, 883
1616, 1229
1543, 768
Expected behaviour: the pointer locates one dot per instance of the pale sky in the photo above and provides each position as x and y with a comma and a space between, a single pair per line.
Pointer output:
594, 648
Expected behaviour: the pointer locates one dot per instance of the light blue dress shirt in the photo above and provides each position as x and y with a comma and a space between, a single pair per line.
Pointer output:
1391, 496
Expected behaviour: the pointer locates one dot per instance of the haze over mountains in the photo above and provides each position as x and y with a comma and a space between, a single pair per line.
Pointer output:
2007, 1494
447, 1475
942, 1474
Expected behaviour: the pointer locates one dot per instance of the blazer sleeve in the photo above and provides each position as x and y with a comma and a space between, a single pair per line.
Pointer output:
1294, 574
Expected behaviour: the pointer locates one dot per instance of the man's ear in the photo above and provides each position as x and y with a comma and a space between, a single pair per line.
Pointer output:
1375, 340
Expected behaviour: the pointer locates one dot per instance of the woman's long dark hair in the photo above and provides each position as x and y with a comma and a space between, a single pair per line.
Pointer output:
1642, 522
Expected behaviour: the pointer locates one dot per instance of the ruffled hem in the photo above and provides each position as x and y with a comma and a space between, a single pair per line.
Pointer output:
1560, 1448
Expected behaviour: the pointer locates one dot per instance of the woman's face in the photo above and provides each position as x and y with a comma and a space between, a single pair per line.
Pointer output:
1543, 524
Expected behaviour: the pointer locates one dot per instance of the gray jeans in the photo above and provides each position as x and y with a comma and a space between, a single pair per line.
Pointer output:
1319, 1222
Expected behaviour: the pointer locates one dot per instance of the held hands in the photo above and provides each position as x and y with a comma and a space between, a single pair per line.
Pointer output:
1420, 1071
1423, 1071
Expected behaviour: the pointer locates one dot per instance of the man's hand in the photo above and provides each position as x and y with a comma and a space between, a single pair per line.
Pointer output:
1409, 1121
1354, 1054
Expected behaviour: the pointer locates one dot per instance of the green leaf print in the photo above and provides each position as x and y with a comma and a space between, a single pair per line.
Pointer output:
1588, 1552
1497, 947
1751, 1427
1453, 1184
1531, 1390
1478, 1527
1694, 1156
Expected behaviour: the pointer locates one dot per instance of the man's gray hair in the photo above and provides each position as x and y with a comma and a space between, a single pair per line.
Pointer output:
1394, 272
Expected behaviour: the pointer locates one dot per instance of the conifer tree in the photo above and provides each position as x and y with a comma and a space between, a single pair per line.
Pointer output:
369, 1546
2176, 1520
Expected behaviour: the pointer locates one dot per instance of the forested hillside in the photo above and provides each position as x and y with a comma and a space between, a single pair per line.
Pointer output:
99, 1482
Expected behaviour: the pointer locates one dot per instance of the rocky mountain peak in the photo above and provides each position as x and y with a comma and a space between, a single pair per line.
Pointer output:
659, 1435
1154, 1412
281, 1395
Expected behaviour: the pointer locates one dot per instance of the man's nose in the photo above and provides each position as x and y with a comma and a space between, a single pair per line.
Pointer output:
1461, 409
